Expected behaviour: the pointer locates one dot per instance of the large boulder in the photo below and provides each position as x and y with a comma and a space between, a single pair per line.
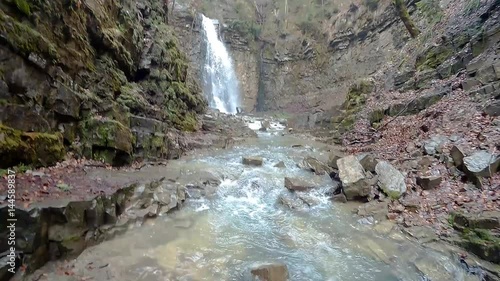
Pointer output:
270, 272
390, 180
352, 175
316, 166
482, 164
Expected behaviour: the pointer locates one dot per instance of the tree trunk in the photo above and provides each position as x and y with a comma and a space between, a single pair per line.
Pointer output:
405, 17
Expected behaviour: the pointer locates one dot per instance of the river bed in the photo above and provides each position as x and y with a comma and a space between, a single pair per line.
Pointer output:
243, 223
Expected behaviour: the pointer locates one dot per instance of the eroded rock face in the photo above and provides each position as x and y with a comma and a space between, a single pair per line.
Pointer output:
270, 272
68, 227
390, 180
85, 83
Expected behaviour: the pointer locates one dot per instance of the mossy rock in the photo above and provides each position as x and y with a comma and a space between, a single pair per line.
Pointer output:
31, 148
25, 40
377, 116
357, 94
103, 137
482, 243
433, 57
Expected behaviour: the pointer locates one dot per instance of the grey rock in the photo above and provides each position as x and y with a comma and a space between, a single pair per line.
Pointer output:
353, 178
482, 164
429, 182
280, 164
252, 161
457, 155
434, 144
390, 180
332, 159
314, 165
375, 209
368, 161
366, 221
270, 272
339, 198
296, 184
493, 108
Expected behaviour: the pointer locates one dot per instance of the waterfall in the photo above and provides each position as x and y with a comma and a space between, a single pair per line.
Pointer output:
220, 84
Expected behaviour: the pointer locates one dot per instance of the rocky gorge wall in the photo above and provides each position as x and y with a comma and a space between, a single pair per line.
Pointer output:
296, 71
103, 79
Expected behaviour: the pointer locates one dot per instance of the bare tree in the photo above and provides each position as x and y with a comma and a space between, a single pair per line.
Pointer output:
405, 17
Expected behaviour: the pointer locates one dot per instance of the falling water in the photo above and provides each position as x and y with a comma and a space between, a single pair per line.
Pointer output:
220, 82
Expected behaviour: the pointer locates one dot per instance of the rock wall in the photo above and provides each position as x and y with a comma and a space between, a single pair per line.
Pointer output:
296, 73
104, 78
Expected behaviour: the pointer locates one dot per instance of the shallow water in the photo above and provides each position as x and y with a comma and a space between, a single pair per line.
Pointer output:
221, 237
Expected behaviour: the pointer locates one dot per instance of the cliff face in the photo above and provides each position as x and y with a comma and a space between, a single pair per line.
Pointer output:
300, 64
101, 78
307, 62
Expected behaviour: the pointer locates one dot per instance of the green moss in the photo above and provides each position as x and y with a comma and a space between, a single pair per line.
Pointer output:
23, 6
433, 57
377, 116
131, 97
104, 134
25, 39
482, 243
37, 149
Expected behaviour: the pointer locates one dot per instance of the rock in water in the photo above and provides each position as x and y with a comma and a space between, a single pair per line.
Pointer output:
390, 180
353, 178
297, 184
265, 125
252, 161
280, 164
270, 272
316, 166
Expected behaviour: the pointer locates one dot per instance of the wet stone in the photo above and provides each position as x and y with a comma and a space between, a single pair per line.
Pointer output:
295, 184
252, 161
270, 272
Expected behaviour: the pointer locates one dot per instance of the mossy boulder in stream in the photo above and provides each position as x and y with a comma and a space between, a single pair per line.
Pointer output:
38, 149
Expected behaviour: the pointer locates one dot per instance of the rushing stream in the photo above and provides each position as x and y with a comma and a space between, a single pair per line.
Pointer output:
220, 237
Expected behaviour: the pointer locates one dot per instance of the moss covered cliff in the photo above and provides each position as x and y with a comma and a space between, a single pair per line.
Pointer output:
81, 69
